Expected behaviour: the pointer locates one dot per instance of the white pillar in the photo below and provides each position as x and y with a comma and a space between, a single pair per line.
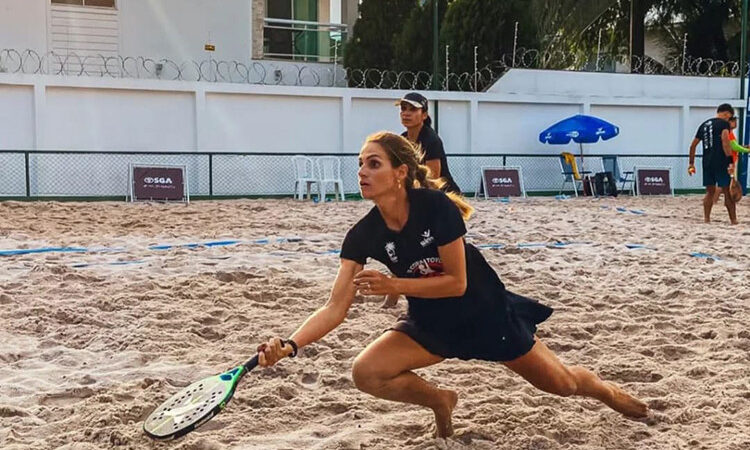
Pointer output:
200, 119
473, 125
40, 112
685, 133
346, 141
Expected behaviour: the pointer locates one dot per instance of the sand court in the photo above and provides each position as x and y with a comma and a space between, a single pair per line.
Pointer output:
112, 307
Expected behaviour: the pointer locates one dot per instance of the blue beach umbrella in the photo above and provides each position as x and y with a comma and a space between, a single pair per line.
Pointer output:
580, 129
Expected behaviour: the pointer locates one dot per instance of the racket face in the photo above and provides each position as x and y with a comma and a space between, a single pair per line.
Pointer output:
192, 406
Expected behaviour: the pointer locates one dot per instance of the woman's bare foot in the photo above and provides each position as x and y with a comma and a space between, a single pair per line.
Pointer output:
625, 403
444, 414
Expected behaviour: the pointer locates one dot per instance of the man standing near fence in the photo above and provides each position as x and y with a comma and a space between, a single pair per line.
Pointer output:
717, 160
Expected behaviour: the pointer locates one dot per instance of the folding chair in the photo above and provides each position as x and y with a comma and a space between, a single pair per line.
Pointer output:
609, 164
571, 174
304, 176
329, 171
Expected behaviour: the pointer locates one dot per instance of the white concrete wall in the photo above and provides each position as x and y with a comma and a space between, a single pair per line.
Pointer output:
592, 84
178, 29
171, 29
657, 135
109, 119
23, 25
101, 114
514, 127
17, 117
272, 123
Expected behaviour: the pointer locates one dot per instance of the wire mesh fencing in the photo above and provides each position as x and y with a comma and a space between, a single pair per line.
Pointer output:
35, 174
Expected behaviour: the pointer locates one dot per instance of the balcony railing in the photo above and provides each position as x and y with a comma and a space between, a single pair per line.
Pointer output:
298, 40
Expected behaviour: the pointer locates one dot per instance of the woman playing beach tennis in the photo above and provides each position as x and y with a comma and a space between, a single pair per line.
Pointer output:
458, 307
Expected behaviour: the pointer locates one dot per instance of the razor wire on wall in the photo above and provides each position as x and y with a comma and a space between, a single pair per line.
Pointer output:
269, 72
35, 174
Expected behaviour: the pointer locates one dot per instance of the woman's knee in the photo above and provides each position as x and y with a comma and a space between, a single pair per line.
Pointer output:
366, 374
564, 384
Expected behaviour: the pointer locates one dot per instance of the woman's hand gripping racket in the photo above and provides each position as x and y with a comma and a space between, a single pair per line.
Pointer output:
198, 403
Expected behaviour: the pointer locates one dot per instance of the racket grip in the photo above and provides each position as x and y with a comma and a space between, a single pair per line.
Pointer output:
250, 365
295, 347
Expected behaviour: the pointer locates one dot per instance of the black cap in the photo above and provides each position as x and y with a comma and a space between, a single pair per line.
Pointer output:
415, 99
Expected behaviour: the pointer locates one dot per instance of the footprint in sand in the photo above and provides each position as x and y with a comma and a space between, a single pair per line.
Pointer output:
12, 411
212, 425
208, 333
9, 358
287, 392
236, 277
674, 352
309, 378
207, 320
87, 380
66, 398
634, 375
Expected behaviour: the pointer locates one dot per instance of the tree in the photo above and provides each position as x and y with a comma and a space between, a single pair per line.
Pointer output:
710, 26
561, 22
371, 45
489, 25
412, 47
614, 24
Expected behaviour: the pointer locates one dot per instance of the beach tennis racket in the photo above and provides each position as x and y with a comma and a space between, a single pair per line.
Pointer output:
735, 190
196, 404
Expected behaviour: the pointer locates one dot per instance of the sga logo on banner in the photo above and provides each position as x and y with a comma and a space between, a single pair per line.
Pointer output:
158, 183
501, 182
653, 181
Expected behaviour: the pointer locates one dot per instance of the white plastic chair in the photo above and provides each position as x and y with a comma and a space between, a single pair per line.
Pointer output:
304, 176
329, 171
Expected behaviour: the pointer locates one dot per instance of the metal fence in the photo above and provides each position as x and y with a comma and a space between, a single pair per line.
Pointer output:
80, 174
299, 40
267, 72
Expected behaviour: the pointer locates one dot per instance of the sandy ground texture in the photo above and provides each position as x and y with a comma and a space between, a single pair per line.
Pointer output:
92, 340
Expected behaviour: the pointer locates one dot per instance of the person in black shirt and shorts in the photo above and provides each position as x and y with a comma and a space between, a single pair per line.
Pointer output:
458, 307
717, 160
418, 123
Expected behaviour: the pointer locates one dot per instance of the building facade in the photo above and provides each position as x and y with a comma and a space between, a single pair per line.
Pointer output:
91, 33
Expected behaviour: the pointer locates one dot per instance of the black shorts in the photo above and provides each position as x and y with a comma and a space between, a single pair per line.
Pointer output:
716, 177
503, 333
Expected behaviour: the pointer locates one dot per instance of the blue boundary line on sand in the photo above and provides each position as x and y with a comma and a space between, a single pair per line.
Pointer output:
27, 251
209, 244
263, 241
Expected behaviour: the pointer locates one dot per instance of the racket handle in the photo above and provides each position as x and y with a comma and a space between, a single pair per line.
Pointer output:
253, 362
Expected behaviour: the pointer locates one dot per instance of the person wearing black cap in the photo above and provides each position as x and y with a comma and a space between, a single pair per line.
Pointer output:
414, 116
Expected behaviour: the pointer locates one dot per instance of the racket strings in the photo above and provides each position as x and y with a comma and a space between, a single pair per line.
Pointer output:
186, 408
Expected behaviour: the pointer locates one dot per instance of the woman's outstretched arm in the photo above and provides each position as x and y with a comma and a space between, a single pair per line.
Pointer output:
322, 321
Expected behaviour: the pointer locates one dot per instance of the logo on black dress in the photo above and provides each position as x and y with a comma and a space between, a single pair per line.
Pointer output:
427, 267
390, 248
427, 238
